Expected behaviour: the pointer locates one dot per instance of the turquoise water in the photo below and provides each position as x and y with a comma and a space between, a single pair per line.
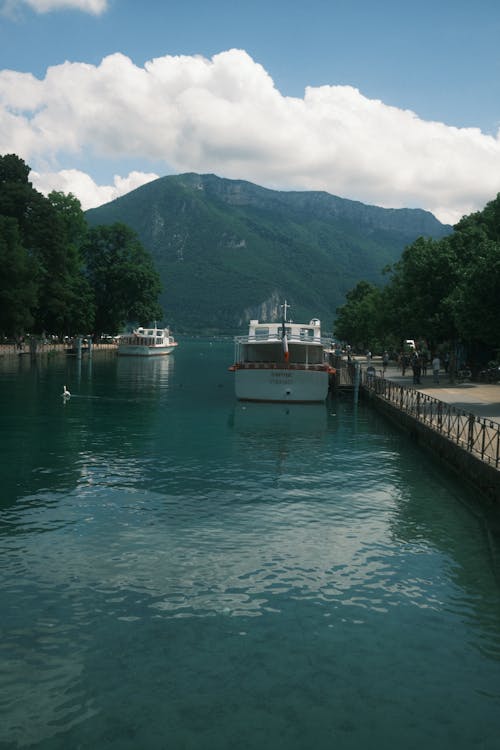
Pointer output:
182, 571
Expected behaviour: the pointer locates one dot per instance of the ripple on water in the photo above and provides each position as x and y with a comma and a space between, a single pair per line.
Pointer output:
285, 579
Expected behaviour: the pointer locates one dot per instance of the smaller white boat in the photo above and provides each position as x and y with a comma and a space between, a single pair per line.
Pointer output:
146, 342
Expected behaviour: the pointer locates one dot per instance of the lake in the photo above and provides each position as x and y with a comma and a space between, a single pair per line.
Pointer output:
183, 571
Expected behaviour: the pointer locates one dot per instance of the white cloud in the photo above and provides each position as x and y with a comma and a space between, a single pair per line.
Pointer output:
225, 115
95, 7
85, 189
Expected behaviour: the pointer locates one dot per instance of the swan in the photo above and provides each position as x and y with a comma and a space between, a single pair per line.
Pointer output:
65, 393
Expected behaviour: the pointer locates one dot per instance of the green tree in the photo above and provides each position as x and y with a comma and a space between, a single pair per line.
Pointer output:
65, 300
122, 275
485, 223
415, 297
17, 281
358, 320
440, 291
474, 301
15, 190
69, 210
79, 295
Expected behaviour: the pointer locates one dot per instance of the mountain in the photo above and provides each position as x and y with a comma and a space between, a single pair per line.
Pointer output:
229, 250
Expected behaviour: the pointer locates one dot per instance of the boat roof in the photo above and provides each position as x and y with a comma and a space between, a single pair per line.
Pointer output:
313, 326
262, 333
149, 330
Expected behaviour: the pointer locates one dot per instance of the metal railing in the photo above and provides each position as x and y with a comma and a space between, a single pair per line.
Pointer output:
477, 435
276, 336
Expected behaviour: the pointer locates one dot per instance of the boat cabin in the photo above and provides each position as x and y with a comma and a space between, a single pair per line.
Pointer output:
264, 343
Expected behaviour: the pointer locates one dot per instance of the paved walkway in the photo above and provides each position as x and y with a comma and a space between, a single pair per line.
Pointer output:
481, 399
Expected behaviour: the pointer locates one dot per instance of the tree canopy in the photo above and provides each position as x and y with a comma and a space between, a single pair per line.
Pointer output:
439, 291
17, 281
121, 273
357, 320
58, 275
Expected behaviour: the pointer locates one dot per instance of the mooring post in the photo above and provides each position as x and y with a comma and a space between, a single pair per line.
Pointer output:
357, 378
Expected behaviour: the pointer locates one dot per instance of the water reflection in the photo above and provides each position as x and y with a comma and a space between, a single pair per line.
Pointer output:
139, 374
292, 419
164, 535
50, 442
12, 364
436, 517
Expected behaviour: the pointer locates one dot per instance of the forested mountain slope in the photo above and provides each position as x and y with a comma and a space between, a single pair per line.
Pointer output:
228, 250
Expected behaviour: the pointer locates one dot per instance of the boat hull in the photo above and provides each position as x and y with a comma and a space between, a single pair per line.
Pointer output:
144, 351
281, 385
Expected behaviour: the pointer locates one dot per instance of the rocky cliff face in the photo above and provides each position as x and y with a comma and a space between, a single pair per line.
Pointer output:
267, 310
317, 204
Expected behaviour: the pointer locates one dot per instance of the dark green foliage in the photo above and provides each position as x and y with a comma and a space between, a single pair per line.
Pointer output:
227, 249
358, 321
70, 212
44, 285
15, 190
415, 298
121, 273
61, 285
17, 280
446, 290
475, 302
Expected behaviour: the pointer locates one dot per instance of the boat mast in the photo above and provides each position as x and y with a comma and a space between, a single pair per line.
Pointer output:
283, 331
285, 308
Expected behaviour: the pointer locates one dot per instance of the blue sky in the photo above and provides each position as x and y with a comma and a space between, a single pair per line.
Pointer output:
390, 103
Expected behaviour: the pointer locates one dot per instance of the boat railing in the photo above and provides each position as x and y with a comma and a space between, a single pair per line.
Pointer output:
277, 337
319, 366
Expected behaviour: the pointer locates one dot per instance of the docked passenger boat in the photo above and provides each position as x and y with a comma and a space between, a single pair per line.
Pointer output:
146, 342
281, 362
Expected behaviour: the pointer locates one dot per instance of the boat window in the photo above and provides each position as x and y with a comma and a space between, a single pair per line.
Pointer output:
262, 333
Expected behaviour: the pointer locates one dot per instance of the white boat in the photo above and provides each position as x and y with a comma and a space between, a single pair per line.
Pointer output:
146, 342
281, 362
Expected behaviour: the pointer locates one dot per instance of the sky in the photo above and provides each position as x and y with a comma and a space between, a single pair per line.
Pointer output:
388, 102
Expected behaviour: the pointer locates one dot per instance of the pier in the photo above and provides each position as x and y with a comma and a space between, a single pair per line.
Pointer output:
459, 422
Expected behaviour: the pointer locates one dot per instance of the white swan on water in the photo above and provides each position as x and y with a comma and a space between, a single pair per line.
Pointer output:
65, 393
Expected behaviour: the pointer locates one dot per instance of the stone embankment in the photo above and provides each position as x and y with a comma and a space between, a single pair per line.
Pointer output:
14, 350
458, 421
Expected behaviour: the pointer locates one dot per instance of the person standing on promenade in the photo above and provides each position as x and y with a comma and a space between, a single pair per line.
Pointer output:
416, 367
436, 366
424, 356
385, 361
404, 362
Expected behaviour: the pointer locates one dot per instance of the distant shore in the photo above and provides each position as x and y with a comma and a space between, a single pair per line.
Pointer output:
45, 348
